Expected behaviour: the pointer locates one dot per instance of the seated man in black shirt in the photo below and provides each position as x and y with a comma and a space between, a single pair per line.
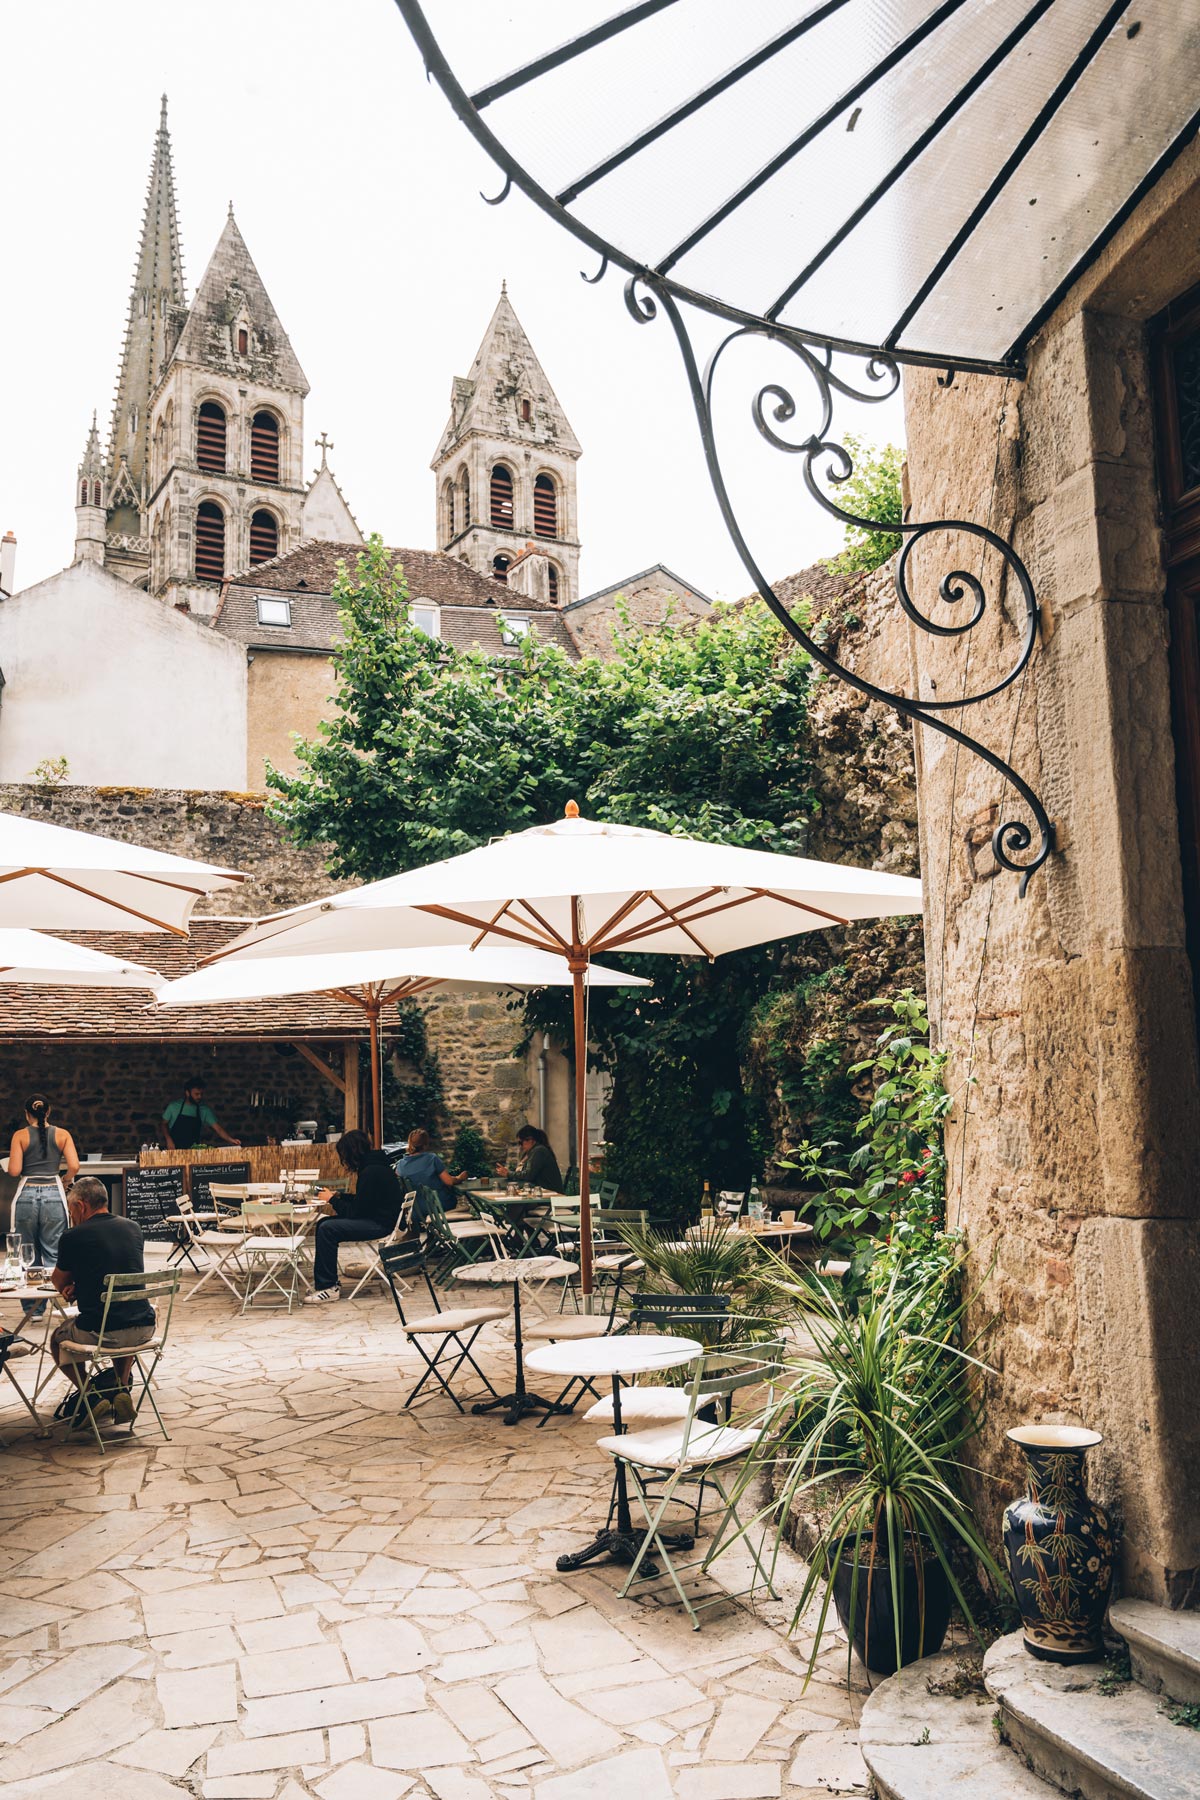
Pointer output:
369, 1212
96, 1245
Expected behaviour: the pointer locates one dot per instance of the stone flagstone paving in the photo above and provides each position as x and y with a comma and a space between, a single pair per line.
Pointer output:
309, 1592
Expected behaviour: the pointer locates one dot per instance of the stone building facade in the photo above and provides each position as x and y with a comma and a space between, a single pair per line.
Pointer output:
1069, 1014
505, 465
649, 598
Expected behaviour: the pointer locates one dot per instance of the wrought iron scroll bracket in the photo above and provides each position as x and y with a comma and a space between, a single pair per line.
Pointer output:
773, 408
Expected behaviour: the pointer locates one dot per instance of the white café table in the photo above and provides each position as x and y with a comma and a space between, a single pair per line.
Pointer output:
615, 1357
516, 1270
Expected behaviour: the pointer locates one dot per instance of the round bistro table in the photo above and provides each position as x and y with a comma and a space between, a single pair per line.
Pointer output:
615, 1357
520, 1403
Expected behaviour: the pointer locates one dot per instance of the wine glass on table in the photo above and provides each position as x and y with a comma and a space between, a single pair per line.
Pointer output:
27, 1255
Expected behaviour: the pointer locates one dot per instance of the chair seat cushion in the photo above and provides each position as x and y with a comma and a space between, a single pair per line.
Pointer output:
472, 1228
457, 1320
73, 1352
219, 1240
608, 1263
642, 1405
568, 1325
661, 1449
286, 1246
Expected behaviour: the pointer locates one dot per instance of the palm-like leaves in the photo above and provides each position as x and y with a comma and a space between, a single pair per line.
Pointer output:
877, 1421
715, 1260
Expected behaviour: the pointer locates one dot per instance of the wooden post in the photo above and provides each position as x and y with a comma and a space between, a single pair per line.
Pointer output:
577, 963
350, 1066
376, 1078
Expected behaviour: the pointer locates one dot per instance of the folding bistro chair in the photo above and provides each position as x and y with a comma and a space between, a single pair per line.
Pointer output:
367, 1252
452, 1333
223, 1249
458, 1240
120, 1290
668, 1457
562, 1327
188, 1224
271, 1251
13, 1349
227, 1198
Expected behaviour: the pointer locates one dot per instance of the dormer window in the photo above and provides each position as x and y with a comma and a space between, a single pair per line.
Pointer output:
512, 629
426, 617
273, 611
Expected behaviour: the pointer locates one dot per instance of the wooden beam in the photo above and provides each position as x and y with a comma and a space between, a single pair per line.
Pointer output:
321, 1066
350, 1084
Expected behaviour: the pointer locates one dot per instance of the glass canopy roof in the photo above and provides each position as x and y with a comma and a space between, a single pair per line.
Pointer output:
882, 174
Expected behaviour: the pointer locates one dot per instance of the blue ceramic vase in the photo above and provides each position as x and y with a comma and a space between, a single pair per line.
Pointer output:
1059, 1547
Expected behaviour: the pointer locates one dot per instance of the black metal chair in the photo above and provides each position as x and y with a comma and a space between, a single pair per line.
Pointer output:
455, 1330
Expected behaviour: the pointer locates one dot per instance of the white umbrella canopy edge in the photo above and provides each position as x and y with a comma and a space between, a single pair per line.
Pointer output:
630, 888
581, 887
56, 878
33, 957
374, 979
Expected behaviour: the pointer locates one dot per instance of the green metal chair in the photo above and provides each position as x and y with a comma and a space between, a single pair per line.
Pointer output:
660, 1460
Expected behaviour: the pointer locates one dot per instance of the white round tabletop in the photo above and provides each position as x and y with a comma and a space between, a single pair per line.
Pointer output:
517, 1268
614, 1355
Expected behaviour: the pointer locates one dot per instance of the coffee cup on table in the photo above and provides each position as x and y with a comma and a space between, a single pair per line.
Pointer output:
787, 1218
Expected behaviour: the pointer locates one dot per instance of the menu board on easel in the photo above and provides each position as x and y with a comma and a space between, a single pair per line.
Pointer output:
204, 1174
149, 1194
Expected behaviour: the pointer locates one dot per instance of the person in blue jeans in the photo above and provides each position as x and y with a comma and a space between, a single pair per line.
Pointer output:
371, 1211
37, 1155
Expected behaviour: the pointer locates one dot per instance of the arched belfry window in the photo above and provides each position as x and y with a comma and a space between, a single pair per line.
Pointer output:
500, 567
95, 493
552, 587
83, 493
502, 498
264, 537
210, 437
545, 507
466, 498
210, 541
448, 504
264, 447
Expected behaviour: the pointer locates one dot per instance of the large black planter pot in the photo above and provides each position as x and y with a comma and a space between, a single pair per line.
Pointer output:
873, 1631
1059, 1547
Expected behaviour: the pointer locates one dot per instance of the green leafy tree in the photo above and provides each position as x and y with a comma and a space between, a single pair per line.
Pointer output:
696, 728
873, 492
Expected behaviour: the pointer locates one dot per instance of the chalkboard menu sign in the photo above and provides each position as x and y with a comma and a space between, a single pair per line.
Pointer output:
149, 1194
203, 1174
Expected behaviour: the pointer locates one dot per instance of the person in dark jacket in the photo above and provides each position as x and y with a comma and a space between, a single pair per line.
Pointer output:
370, 1211
538, 1164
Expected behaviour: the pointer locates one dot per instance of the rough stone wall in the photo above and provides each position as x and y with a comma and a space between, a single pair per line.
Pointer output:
287, 696
110, 1097
865, 784
483, 1081
1069, 1014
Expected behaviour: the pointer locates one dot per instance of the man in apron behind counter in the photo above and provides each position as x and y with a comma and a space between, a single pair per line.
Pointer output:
189, 1122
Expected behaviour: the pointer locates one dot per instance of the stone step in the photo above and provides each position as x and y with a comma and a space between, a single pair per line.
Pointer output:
930, 1745
1164, 1648
1118, 1746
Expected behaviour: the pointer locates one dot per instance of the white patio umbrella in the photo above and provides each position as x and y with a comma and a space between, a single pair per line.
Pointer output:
58, 879
31, 956
578, 889
374, 979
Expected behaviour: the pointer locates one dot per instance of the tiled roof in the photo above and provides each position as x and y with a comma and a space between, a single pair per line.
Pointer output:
470, 602
628, 581
72, 1014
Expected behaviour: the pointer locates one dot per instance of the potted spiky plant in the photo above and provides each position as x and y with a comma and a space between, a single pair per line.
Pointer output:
874, 1427
712, 1259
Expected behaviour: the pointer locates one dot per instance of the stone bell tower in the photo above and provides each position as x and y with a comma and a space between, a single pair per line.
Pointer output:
505, 466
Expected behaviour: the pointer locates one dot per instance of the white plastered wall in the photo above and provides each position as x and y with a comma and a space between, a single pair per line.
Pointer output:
130, 691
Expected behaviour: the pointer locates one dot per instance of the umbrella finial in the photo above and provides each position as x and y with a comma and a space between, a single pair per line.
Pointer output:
571, 810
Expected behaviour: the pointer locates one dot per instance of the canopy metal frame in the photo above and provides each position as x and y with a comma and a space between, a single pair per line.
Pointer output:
836, 368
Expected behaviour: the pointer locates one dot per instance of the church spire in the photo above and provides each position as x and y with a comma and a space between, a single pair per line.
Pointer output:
158, 291
90, 501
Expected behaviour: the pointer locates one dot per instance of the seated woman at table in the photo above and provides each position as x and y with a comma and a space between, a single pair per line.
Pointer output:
370, 1211
421, 1167
537, 1165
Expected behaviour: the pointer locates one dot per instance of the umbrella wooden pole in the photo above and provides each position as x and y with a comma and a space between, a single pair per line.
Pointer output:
373, 1010
577, 963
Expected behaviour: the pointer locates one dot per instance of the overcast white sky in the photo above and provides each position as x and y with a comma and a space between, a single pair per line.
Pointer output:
357, 192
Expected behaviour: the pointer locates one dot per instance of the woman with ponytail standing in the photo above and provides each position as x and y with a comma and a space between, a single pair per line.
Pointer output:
39, 1210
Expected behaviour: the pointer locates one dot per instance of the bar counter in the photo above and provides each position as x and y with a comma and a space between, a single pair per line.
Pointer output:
265, 1160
